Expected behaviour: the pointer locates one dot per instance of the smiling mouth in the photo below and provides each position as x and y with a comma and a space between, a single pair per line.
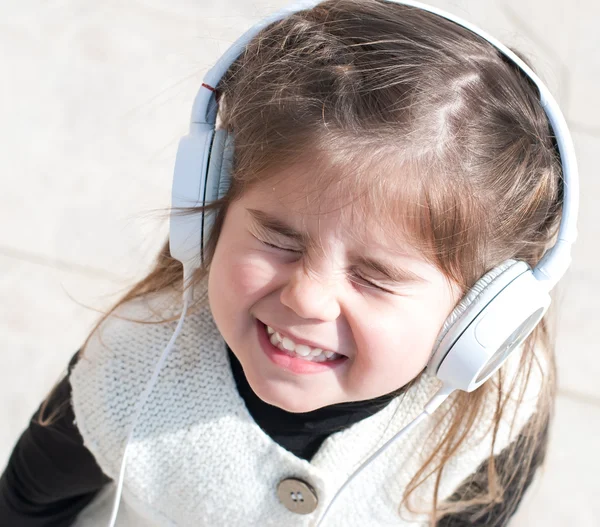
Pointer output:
300, 351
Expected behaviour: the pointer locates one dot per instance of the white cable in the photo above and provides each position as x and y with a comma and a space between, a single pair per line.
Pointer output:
440, 396
187, 297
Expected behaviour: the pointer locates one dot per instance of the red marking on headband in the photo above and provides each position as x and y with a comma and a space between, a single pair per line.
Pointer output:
217, 94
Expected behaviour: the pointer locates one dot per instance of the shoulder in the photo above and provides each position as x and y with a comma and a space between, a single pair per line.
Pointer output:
469, 429
125, 341
134, 327
516, 467
512, 430
117, 362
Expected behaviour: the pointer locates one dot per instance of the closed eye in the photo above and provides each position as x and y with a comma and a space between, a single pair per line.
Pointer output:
268, 244
368, 283
355, 278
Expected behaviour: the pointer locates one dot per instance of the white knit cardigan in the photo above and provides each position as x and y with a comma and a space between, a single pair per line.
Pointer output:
197, 457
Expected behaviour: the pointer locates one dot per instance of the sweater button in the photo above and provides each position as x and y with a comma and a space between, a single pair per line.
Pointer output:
297, 496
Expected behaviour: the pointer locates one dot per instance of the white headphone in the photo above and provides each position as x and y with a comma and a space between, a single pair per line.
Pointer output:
491, 320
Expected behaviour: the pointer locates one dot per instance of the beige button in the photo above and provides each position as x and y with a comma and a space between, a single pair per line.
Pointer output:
297, 496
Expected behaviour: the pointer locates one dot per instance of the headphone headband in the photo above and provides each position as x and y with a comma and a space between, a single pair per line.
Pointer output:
557, 259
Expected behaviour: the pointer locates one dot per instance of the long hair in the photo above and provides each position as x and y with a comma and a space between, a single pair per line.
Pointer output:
440, 134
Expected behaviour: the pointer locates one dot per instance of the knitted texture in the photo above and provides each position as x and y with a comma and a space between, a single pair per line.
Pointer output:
197, 457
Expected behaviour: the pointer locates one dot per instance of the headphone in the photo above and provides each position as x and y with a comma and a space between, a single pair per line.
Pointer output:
491, 320
496, 314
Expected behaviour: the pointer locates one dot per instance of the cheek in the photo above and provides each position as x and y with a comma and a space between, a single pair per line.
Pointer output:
402, 343
245, 275
405, 341
250, 276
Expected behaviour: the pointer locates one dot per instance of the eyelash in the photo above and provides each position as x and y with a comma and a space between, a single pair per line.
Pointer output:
277, 246
362, 282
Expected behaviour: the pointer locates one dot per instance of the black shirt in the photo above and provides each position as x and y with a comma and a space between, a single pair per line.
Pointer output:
302, 433
51, 476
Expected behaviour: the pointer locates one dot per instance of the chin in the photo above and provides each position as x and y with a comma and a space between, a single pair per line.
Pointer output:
298, 409
285, 402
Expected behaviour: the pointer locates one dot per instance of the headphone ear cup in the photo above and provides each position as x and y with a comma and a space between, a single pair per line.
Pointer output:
491, 320
218, 178
219, 164
189, 184
470, 299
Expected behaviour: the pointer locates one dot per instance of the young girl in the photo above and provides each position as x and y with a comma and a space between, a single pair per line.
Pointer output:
382, 159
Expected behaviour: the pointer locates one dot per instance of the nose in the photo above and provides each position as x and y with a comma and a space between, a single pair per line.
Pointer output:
309, 297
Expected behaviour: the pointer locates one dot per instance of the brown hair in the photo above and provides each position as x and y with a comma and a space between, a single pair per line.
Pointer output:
377, 86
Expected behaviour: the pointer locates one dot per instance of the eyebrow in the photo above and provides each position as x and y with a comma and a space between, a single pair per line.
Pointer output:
388, 270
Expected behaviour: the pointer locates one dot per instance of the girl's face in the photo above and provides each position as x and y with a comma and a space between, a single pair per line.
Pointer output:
377, 306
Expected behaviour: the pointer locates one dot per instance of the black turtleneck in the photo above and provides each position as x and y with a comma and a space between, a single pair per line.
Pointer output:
302, 433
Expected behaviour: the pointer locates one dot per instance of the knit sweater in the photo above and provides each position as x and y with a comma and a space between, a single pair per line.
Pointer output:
197, 457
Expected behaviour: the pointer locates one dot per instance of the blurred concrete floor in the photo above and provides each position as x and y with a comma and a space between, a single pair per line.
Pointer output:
95, 98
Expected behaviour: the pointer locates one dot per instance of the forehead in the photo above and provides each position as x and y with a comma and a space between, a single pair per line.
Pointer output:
371, 209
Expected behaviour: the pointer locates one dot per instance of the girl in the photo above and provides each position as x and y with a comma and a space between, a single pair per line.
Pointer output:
385, 159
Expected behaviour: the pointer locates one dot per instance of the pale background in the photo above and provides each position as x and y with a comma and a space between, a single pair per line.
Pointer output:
94, 96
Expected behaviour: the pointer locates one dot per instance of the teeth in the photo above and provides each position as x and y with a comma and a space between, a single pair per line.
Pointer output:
288, 344
300, 350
